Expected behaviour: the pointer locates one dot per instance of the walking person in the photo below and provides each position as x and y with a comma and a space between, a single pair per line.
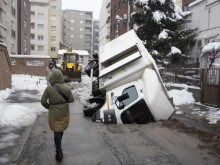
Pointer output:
50, 68
56, 99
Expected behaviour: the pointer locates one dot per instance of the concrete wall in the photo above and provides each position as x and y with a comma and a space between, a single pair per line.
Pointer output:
29, 65
5, 68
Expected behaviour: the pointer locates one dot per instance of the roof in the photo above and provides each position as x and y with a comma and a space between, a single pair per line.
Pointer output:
29, 56
79, 52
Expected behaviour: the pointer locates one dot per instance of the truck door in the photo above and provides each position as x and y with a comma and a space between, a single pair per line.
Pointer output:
138, 112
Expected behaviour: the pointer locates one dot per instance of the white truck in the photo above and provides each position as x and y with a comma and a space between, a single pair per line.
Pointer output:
134, 89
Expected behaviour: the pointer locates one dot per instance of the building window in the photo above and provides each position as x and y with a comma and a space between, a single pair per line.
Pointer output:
53, 38
1, 16
71, 21
53, 49
40, 15
32, 36
32, 47
53, 28
71, 36
25, 46
81, 36
25, 24
12, 49
32, 13
81, 29
53, 7
25, 4
40, 37
40, 48
186, 8
53, 17
40, 26
32, 25
81, 22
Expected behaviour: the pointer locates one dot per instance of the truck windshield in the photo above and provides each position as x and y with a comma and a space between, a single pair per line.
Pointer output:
133, 95
70, 58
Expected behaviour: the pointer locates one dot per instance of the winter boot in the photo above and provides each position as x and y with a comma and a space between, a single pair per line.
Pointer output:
59, 155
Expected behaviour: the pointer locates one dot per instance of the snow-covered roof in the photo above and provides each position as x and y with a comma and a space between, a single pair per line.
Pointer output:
79, 52
195, 2
29, 56
211, 47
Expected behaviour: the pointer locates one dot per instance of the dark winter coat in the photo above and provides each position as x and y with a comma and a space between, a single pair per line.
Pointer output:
58, 117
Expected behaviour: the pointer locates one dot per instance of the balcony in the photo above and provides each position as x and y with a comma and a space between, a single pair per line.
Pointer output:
108, 20
108, 5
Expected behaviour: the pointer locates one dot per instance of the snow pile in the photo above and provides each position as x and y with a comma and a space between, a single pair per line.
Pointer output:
22, 81
4, 94
17, 115
181, 97
84, 93
175, 50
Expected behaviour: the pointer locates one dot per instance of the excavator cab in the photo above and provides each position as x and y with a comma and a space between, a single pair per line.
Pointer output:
70, 66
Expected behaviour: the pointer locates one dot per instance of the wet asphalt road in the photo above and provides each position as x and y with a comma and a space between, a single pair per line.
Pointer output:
89, 143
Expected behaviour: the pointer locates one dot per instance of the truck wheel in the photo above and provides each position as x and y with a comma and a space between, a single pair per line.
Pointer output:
90, 111
91, 65
96, 73
96, 92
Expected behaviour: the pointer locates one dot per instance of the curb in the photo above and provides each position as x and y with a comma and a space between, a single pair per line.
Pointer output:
21, 142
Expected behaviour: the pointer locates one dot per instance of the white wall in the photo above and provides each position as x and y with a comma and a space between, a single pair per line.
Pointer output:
206, 17
104, 28
34, 19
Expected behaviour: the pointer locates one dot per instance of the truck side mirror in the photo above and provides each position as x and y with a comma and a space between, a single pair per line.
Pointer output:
123, 97
120, 99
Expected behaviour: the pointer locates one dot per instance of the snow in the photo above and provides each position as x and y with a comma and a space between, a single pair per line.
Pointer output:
181, 96
79, 52
163, 35
195, 2
157, 16
175, 50
15, 116
29, 56
210, 47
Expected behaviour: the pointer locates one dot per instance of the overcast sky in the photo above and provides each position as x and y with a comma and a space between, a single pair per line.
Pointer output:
84, 5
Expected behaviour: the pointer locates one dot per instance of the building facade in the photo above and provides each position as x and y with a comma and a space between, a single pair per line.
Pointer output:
105, 17
120, 19
77, 29
23, 27
54, 25
205, 16
8, 24
95, 38
45, 27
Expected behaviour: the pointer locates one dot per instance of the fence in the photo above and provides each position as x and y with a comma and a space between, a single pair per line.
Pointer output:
203, 83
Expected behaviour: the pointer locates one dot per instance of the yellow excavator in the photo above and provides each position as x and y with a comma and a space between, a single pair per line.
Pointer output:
70, 66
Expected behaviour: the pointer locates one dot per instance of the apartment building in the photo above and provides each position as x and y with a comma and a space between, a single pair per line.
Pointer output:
120, 17
23, 26
95, 38
105, 15
8, 24
45, 27
77, 29
54, 25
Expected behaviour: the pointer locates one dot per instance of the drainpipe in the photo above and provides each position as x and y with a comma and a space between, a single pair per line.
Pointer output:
209, 11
